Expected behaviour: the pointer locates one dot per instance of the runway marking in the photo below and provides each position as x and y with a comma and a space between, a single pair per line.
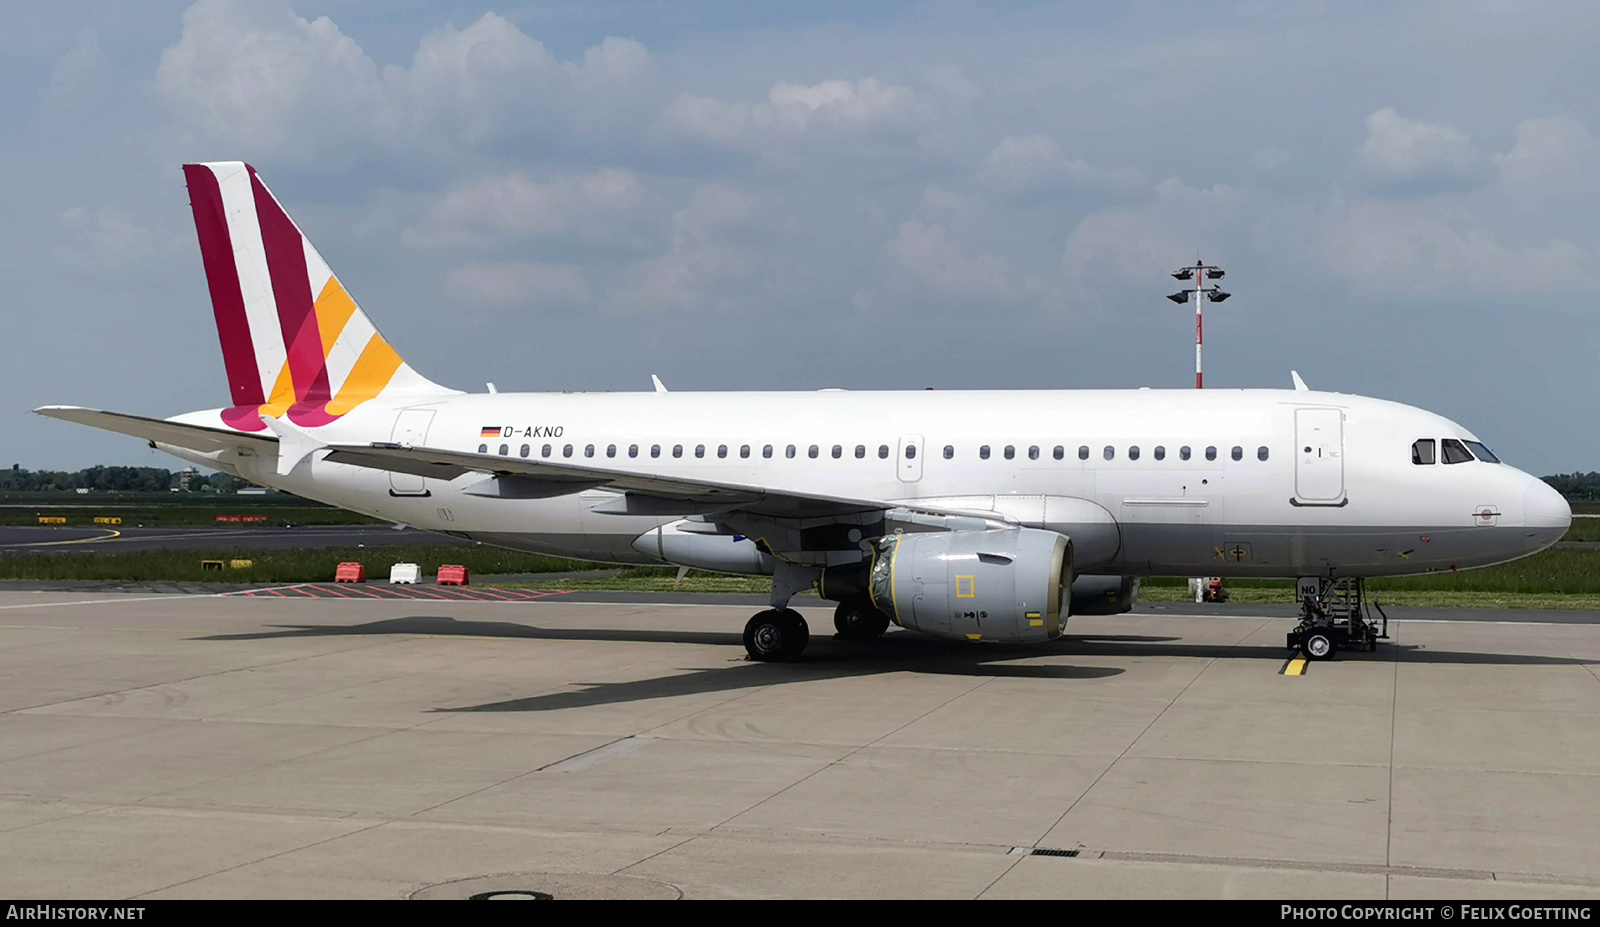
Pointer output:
1295, 667
94, 540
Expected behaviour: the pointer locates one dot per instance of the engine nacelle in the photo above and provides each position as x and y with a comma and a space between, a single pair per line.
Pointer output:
1104, 595
1006, 584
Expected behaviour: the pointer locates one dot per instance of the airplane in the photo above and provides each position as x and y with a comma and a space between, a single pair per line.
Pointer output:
972, 515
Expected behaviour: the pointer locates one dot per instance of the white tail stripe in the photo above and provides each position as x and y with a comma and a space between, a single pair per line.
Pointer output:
255, 281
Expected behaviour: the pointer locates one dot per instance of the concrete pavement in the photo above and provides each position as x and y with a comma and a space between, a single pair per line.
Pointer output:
202, 746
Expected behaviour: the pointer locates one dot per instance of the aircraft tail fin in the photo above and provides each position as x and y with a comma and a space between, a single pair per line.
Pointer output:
294, 342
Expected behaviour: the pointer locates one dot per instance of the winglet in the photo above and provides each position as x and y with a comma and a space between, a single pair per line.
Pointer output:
1299, 384
660, 387
294, 443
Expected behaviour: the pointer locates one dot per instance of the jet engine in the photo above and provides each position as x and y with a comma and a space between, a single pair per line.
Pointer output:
1006, 584
1104, 595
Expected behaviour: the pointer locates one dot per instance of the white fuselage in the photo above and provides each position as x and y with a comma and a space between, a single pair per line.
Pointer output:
1323, 483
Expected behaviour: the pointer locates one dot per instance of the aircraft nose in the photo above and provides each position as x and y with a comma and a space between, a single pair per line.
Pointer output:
1544, 509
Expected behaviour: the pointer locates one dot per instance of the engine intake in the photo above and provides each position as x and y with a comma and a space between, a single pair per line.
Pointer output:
1005, 584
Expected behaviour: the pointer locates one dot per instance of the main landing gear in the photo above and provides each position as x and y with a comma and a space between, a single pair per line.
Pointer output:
779, 634
1334, 617
857, 620
776, 635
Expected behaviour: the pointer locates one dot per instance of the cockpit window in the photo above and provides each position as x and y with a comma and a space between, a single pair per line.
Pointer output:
1453, 452
1422, 451
1482, 453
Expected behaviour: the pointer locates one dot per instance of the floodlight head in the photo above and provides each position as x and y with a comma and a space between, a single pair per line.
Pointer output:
1215, 273
1182, 296
1186, 274
1217, 295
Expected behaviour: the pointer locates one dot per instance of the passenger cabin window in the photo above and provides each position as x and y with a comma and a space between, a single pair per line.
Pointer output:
789, 452
699, 450
766, 450
504, 450
1161, 452
838, 452
1133, 452
1033, 452
1011, 452
1453, 452
483, 448
525, 450
611, 450
744, 450
1083, 452
911, 452
677, 450
883, 452
1211, 453
566, 450
722, 450
1059, 453
544, 451
812, 453
1183, 452
1422, 452
633, 450
1238, 452
655, 450
1261, 452
588, 450
949, 451
1109, 453
983, 452
861, 451
1482, 453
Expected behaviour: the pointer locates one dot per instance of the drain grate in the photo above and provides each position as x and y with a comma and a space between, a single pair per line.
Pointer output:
1050, 851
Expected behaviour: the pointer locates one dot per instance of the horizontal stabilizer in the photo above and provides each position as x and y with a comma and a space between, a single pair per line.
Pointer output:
191, 437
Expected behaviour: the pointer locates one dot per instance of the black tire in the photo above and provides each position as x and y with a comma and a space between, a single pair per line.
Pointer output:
1319, 644
776, 635
859, 621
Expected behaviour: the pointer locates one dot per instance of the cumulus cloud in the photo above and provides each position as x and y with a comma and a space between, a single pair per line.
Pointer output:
712, 265
1397, 148
600, 207
831, 109
1029, 163
1553, 156
264, 78
1413, 251
77, 66
522, 283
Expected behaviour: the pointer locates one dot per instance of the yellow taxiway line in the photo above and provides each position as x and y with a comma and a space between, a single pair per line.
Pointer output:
104, 537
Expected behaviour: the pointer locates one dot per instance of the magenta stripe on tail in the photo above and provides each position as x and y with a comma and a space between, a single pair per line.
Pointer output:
222, 277
291, 287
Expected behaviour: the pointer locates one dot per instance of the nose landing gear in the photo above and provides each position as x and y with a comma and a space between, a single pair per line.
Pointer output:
1334, 617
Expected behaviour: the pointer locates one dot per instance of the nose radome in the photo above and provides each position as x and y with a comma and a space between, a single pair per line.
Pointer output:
1543, 507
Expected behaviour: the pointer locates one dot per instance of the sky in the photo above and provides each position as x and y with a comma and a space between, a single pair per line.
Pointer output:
553, 196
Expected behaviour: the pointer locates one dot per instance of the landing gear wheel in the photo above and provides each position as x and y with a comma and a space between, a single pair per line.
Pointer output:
1319, 644
859, 621
776, 635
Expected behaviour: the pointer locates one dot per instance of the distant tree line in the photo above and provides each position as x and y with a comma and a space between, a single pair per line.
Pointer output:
114, 479
1577, 487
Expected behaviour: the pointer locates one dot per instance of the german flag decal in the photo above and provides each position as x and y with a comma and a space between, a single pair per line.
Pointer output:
490, 431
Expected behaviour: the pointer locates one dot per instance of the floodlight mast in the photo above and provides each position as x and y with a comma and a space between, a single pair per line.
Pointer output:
1198, 273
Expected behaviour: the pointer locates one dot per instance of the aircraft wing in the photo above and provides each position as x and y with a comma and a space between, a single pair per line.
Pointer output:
645, 493
192, 437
